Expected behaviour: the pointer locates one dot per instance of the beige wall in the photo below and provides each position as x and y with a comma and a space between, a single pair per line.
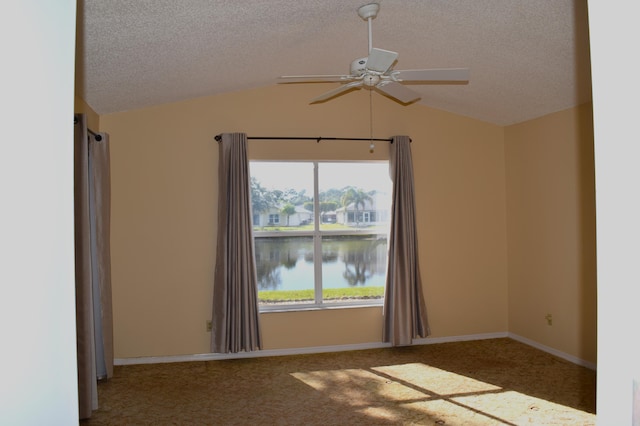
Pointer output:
164, 168
93, 119
551, 231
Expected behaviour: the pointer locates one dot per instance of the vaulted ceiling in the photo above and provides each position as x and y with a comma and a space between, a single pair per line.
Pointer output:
527, 58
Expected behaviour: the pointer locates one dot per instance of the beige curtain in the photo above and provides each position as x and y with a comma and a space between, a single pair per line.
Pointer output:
235, 324
405, 314
92, 263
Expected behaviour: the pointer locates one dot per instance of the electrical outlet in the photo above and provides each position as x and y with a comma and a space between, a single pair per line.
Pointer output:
549, 318
208, 325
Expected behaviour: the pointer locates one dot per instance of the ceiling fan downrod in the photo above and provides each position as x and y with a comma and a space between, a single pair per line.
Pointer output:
368, 12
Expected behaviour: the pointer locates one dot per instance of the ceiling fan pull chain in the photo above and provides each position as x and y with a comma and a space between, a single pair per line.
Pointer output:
371, 146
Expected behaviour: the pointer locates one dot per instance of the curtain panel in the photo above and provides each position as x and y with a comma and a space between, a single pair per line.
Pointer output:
100, 210
405, 314
94, 327
235, 318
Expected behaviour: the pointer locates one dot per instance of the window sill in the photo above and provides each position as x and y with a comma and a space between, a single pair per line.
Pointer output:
319, 307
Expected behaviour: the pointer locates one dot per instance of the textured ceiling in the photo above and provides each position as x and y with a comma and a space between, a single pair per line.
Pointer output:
527, 58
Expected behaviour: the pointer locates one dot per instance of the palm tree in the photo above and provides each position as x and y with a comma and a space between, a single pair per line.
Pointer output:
357, 197
260, 198
288, 210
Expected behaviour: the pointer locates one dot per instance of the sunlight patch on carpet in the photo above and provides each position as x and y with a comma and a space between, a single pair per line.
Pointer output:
518, 408
416, 392
435, 380
358, 387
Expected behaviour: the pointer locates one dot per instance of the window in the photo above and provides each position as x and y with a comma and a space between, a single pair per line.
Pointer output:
320, 232
274, 219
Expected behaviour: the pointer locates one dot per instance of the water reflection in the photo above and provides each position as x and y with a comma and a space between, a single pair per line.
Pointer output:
347, 261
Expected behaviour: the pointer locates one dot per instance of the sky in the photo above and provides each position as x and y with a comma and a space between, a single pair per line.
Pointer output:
299, 175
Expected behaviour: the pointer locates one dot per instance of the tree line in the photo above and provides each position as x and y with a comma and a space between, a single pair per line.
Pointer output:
285, 201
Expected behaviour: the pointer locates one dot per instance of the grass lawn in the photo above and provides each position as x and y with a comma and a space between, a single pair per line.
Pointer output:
275, 296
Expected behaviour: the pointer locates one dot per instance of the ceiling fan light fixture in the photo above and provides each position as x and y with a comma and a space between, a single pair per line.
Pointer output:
371, 80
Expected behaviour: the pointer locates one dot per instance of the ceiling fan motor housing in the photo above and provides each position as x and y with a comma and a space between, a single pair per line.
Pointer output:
359, 66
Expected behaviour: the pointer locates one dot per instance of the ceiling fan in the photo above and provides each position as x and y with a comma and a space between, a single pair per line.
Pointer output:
375, 72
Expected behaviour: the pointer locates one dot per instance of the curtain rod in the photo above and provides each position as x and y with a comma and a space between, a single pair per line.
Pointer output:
317, 139
94, 134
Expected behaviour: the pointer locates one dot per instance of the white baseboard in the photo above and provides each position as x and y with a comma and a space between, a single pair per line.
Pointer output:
255, 354
553, 351
295, 351
463, 338
341, 348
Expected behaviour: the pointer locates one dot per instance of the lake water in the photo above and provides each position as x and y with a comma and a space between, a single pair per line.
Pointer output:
347, 261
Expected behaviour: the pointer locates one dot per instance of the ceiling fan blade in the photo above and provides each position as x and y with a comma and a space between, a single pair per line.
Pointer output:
436, 74
337, 91
398, 91
380, 60
313, 78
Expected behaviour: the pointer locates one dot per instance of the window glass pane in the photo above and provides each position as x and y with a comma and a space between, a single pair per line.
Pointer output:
285, 269
353, 267
354, 197
282, 196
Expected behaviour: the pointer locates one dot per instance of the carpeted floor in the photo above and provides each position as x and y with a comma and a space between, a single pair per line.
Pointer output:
487, 382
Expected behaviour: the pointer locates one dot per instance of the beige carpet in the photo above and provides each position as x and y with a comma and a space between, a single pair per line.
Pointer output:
488, 382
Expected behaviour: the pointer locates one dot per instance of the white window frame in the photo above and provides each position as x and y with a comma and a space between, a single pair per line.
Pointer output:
317, 235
